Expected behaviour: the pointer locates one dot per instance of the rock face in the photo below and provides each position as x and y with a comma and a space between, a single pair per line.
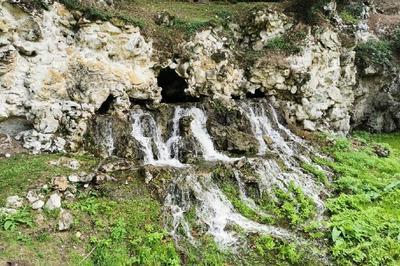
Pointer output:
59, 71
315, 87
57, 78
377, 104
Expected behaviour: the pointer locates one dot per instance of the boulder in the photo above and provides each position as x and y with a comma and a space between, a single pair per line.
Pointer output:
65, 221
54, 202
14, 202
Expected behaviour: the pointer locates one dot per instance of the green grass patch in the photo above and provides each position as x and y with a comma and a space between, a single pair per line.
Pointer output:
290, 43
20, 172
364, 213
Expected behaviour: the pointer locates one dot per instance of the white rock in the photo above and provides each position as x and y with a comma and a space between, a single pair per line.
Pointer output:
8, 211
54, 202
74, 165
32, 196
14, 202
65, 221
38, 204
73, 178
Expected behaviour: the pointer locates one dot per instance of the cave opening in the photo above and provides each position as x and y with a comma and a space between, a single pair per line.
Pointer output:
173, 87
106, 105
257, 94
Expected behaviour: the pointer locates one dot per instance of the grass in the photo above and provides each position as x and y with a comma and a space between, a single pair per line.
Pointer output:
364, 212
120, 224
18, 173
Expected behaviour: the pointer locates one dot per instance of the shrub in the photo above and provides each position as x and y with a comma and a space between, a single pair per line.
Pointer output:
374, 52
396, 41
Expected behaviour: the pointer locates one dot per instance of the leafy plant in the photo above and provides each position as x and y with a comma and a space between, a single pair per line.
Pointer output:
364, 220
9, 222
376, 53
288, 43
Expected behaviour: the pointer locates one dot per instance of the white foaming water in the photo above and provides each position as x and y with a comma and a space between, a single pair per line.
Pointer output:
143, 121
215, 210
109, 138
262, 127
271, 175
199, 130
157, 152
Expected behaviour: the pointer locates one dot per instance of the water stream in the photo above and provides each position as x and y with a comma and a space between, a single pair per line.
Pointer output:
193, 189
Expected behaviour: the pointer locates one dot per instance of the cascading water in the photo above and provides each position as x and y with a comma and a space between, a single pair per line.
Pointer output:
146, 131
214, 210
198, 127
193, 188
262, 128
158, 152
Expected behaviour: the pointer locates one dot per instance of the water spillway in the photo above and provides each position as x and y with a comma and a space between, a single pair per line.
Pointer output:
186, 139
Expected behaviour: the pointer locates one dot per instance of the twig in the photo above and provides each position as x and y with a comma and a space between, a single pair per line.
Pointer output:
88, 255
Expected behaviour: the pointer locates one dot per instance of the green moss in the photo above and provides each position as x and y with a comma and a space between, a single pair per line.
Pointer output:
228, 185
289, 43
348, 17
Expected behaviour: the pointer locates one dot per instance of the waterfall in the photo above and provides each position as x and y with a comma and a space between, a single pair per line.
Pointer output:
158, 152
104, 135
216, 211
193, 189
199, 130
110, 146
262, 128
146, 131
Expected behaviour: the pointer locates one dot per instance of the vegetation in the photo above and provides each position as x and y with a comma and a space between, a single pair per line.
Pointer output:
351, 14
378, 53
117, 224
364, 213
289, 43
291, 207
396, 41
22, 171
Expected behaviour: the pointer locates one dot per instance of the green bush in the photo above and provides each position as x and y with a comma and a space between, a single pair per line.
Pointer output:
374, 52
396, 41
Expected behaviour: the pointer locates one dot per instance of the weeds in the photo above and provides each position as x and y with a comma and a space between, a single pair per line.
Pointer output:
364, 217
9, 222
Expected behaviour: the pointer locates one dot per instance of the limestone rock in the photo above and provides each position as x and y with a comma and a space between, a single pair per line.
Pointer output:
14, 202
37, 204
8, 211
43, 59
60, 183
65, 221
32, 196
54, 202
73, 178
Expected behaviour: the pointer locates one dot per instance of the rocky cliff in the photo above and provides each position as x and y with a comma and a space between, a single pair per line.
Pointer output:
59, 70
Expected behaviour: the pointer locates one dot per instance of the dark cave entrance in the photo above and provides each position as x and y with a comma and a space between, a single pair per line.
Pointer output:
173, 87
257, 94
106, 105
